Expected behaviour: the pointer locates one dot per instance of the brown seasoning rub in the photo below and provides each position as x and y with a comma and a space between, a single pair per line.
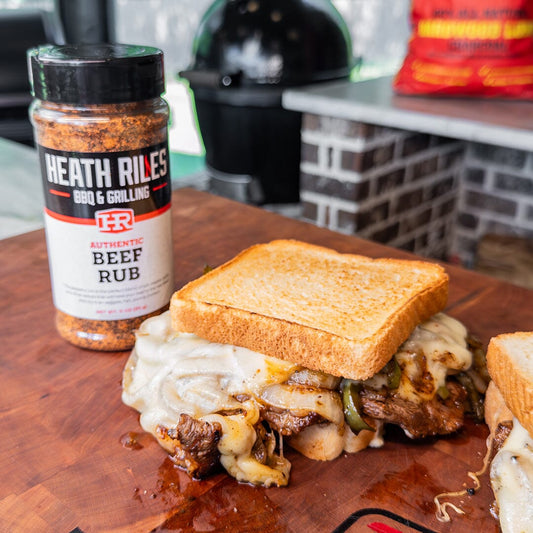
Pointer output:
100, 128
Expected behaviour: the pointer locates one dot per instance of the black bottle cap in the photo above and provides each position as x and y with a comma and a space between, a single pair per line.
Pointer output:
96, 73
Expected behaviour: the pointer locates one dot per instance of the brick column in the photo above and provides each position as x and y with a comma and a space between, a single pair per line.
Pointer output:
496, 197
392, 186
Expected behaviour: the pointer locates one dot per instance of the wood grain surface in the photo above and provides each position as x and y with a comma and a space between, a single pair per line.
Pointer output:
73, 457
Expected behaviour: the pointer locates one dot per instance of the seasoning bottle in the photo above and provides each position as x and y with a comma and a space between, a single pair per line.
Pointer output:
101, 132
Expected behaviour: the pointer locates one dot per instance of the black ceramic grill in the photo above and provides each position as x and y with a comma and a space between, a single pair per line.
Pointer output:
245, 54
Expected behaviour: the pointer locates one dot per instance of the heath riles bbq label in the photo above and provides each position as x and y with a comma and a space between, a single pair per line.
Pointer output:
80, 185
107, 224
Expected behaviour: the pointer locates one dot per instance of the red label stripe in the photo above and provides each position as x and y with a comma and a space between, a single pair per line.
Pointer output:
159, 186
59, 193
72, 220
92, 222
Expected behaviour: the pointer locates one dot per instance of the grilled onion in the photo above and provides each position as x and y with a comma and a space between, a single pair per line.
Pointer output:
314, 378
326, 403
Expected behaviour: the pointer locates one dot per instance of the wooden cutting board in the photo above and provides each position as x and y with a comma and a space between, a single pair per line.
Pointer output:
73, 457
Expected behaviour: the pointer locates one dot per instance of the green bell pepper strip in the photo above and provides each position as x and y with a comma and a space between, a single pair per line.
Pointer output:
351, 402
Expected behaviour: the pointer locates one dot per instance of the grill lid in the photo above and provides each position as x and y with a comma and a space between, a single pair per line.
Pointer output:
251, 43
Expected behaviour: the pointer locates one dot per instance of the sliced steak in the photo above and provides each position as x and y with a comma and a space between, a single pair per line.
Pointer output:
502, 432
287, 423
195, 445
418, 420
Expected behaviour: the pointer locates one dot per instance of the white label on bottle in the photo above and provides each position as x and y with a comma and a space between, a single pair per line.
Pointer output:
108, 230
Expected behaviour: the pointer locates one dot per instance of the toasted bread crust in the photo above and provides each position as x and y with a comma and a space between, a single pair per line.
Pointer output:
496, 410
510, 365
343, 314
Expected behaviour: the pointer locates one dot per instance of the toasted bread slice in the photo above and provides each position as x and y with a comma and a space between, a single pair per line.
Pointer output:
510, 365
343, 314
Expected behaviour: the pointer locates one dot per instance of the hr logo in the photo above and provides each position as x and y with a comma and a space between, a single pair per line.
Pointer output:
114, 220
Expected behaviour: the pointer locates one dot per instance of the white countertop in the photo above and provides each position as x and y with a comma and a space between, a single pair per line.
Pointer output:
507, 123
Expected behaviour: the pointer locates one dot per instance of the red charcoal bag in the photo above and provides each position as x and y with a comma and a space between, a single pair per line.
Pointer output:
469, 48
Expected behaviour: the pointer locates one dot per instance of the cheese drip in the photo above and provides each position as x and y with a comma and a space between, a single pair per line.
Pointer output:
511, 477
442, 341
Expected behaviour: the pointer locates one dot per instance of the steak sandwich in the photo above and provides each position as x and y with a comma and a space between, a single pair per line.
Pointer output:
294, 343
509, 415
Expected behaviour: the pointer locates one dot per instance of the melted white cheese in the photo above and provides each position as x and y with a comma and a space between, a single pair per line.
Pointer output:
442, 341
511, 477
